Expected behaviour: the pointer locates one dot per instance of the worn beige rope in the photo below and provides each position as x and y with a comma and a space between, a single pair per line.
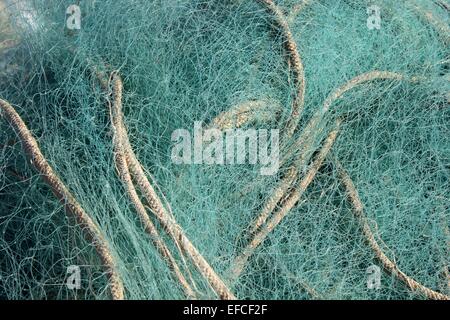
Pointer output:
90, 229
232, 119
303, 145
245, 112
140, 178
240, 261
280, 191
297, 109
389, 265
295, 62
306, 286
166, 220
133, 164
124, 173
307, 138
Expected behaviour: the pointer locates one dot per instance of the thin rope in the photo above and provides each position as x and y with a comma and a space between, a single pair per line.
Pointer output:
389, 265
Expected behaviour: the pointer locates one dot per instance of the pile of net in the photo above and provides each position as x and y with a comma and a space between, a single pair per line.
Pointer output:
93, 205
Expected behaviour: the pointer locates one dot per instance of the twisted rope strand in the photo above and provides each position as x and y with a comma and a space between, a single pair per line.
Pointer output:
280, 191
90, 229
124, 173
302, 146
240, 262
306, 139
389, 265
168, 222
245, 112
440, 26
295, 61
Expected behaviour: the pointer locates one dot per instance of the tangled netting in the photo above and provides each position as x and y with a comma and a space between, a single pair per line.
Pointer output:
87, 178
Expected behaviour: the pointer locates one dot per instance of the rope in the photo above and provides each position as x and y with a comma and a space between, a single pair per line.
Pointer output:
87, 225
389, 265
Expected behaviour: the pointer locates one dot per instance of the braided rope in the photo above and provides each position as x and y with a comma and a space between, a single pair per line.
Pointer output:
305, 141
124, 173
155, 204
302, 146
389, 265
295, 61
240, 262
245, 112
91, 231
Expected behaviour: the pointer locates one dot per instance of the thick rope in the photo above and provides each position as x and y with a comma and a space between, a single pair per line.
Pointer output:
245, 112
297, 9
240, 262
166, 220
295, 62
91, 231
124, 173
303, 145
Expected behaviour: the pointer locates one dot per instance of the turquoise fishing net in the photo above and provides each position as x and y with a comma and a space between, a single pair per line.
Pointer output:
190, 60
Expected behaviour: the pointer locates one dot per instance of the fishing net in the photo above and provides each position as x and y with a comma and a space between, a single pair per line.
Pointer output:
364, 173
